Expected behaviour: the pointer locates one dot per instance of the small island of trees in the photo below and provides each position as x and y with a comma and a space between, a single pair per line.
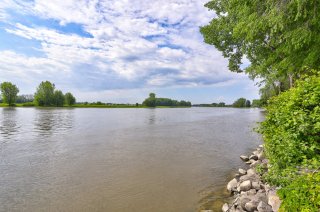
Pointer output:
152, 101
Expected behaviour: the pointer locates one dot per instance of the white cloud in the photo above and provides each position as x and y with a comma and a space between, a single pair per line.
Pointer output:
154, 43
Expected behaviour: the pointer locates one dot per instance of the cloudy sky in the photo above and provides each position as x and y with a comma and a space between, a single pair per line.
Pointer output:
116, 50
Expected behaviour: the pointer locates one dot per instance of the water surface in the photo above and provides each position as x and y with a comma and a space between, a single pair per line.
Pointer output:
120, 159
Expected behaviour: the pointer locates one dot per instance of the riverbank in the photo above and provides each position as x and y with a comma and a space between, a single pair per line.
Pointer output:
93, 106
249, 191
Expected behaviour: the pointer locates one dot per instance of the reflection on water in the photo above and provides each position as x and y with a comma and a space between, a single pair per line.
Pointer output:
53, 121
9, 122
120, 159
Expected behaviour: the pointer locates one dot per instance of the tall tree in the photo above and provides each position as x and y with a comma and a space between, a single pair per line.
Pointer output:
9, 93
45, 94
58, 98
279, 38
241, 102
69, 99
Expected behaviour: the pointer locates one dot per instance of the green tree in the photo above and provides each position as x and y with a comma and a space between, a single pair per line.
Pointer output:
58, 98
241, 102
221, 104
151, 101
69, 99
9, 93
45, 94
256, 103
279, 38
248, 103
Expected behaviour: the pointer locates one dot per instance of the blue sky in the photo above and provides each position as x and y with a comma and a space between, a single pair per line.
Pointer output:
116, 50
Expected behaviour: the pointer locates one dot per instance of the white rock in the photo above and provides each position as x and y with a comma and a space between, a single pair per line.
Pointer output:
251, 172
243, 201
242, 171
245, 186
232, 185
244, 158
225, 207
274, 200
251, 206
253, 157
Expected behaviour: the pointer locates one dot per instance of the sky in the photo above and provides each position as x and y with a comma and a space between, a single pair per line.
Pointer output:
116, 50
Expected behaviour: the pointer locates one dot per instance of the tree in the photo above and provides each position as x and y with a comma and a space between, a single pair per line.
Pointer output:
69, 99
256, 103
279, 38
151, 101
45, 94
9, 93
58, 98
241, 102
248, 103
221, 104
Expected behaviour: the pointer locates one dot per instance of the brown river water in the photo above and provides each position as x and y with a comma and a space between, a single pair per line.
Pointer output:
135, 160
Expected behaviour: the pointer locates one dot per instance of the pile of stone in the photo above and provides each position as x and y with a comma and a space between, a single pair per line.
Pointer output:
249, 191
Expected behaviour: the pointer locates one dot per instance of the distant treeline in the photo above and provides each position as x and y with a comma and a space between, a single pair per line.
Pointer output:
240, 103
152, 101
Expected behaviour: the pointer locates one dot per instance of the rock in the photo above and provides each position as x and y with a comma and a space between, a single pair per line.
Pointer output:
251, 192
274, 200
261, 146
206, 210
244, 201
244, 158
255, 163
245, 186
256, 185
232, 185
225, 207
249, 162
264, 207
253, 157
261, 156
251, 206
251, 172
242, 171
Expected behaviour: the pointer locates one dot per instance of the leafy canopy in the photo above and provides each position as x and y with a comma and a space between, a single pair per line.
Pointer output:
279, 38
9, 93
69, 99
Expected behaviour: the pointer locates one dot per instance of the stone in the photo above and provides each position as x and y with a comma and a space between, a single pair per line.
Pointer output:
245, 186
225, 207
261, 156
251, 172
251, 192
255, 163
242, 171
244, 201
253, 157
274, 200
264, 207
244, 158
251, 206
261, 146
206, 210
232, 185
256, 185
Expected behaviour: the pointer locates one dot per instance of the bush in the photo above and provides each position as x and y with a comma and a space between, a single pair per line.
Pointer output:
291, 132
303, 194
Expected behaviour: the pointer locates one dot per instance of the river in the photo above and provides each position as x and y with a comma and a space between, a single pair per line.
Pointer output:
137, 160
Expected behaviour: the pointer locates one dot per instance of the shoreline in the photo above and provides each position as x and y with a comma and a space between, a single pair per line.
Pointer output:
248, 191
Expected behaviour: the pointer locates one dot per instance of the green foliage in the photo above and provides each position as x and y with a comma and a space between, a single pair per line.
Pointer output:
241, 102
152, 101
248, 103
256, 103
291, 130
9, 93
278, 37
45, 94
58, 98
28, 104
69, 99
302, 194
24, 98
